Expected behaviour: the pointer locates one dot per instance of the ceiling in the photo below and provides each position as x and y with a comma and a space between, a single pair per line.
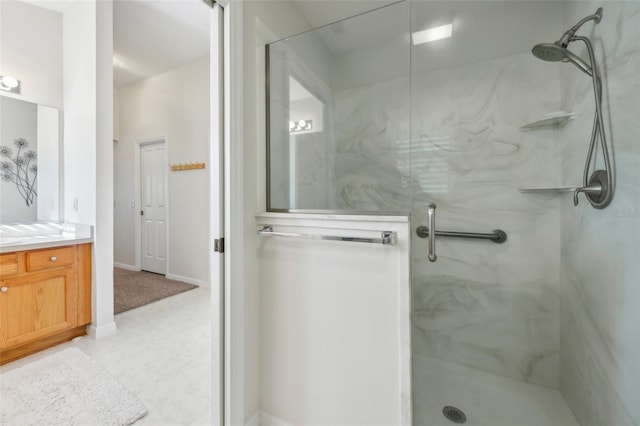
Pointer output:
154, 36
376, 46
323, 12
55, 5
151, 36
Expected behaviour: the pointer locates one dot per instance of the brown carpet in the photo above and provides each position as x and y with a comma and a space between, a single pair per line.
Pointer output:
133, 289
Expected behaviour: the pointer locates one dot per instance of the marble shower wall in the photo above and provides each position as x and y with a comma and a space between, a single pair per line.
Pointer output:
489, 306
373, 156
600, 303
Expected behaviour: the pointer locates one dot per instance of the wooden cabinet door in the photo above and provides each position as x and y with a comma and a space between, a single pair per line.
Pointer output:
37, 305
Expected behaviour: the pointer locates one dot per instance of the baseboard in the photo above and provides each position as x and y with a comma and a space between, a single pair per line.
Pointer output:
187, 280
102, 331
255, 420
269, 420
125, 266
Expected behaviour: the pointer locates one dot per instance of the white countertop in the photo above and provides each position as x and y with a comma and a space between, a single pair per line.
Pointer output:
29, 236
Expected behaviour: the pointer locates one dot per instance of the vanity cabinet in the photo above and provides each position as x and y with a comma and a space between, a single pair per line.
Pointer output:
45, 298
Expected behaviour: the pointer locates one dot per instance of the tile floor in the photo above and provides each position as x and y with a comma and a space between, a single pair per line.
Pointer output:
162, 353
486, 399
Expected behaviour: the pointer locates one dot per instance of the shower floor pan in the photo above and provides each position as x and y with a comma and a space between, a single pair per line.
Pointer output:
485, 399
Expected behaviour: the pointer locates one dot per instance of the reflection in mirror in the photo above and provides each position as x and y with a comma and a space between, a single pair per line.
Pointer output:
330, 145
29, 162
308, 183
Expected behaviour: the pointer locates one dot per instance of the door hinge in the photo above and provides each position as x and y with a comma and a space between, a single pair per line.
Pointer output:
218, 245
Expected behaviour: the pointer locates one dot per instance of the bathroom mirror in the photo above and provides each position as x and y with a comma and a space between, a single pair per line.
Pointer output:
30, 153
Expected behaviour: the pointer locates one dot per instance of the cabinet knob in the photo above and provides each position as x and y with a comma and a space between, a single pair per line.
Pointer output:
4, 289
53, 258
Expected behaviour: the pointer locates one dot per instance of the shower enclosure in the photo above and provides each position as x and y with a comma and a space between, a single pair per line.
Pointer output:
524, 305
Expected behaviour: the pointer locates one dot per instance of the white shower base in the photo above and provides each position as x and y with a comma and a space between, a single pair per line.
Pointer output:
486, 399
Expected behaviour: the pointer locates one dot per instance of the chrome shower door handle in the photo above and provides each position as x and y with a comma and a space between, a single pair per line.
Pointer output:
432, 233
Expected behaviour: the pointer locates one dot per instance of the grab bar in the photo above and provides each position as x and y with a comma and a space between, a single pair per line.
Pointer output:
386, 237
497, 236
432, 238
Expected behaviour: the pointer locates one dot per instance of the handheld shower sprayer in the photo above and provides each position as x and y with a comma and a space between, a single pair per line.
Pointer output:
597, 186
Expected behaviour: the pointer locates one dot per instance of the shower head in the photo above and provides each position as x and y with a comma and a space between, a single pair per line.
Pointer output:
555, 52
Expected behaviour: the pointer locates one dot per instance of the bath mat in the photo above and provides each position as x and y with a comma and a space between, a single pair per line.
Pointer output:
65, 388
132, 289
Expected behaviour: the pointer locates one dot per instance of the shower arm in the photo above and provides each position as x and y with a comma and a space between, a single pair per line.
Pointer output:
597, 187
569, 34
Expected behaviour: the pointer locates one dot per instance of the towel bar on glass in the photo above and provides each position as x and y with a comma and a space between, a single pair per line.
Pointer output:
386, 237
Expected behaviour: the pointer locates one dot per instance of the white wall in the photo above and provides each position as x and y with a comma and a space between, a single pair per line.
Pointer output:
173, 105
80, 119
263, 22
88, 152
31, 51
335, 322
49, 159
116, 116
600, 303
103, 234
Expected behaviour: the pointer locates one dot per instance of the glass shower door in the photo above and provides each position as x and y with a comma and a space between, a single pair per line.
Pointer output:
486, 312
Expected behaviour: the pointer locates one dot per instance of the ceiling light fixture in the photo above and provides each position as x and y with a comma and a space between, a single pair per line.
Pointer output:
9, 84
300, 125
432, 34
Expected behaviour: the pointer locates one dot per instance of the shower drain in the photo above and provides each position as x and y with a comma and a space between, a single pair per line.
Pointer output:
454, 414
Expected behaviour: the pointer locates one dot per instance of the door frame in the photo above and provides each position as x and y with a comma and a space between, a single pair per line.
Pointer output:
137, 178
228, 403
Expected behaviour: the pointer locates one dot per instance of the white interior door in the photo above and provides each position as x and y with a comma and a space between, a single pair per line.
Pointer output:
153, 181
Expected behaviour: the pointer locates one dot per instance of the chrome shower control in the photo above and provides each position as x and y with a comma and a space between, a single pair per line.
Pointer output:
597, 191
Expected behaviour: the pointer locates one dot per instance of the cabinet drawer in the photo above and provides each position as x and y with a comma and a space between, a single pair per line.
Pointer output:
8, 264
50, 258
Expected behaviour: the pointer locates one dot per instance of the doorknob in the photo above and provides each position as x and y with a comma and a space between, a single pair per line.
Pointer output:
4, 289
141, 212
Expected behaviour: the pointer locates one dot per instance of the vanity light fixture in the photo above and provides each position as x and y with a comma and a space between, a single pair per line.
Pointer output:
300, 125
432, 34
9, 84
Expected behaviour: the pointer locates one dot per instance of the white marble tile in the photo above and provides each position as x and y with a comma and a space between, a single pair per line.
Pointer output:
503, 328
600, 341
486, 399
372, 162
162, 353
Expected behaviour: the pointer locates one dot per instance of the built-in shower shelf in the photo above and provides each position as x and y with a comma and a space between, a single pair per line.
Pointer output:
547, 189
552, 120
